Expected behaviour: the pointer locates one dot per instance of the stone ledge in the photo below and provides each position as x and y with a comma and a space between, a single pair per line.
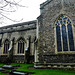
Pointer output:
64, 66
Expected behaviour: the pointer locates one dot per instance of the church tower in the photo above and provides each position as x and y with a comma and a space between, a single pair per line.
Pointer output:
55, 33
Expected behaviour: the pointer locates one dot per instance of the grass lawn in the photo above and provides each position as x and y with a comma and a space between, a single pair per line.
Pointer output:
24, 67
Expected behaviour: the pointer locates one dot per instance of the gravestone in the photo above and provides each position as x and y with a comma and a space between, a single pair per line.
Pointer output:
1, 69
8, 67
14, 72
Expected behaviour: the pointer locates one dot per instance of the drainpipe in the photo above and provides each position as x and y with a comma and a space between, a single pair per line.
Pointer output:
27, 51
36, 49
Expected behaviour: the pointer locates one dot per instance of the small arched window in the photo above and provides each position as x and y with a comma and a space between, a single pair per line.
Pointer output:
20, 45
6, 46
64, 34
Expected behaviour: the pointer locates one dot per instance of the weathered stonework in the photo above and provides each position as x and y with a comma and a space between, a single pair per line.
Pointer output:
43, 40
46, 48
17, 31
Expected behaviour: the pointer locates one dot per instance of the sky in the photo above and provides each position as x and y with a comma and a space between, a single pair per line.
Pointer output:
30, 12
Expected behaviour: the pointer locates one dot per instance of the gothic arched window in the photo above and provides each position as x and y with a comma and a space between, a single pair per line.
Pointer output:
21, 45
6, 46
64, 34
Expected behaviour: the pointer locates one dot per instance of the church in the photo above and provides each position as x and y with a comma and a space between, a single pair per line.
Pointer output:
47, 41
17, 42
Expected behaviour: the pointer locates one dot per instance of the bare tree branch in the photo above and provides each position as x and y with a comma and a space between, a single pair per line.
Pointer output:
13, 3
10, 18
8, 6
4, 6
7, 10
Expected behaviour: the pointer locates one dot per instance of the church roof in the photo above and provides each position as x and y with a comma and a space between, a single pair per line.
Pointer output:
19, 24
24, 26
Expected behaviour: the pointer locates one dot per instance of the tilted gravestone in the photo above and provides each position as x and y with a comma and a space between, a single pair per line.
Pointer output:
8, 67
14, 72
1, 69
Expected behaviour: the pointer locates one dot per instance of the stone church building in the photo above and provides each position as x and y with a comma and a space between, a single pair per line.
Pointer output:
17, 42
47, 41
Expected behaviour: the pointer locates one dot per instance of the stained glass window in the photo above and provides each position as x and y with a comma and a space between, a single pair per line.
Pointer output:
64, 34
58, 38
21, 45
70, 36
64, 38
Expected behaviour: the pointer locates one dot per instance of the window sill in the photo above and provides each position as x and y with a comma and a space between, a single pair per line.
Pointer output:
66, 52
19, 54
4, 54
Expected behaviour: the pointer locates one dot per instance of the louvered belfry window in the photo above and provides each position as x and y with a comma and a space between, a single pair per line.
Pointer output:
64, 34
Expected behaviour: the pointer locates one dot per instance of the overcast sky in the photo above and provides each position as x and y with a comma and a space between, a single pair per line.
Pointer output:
28, 13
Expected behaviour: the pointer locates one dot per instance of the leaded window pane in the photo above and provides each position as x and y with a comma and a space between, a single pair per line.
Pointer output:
21, 46
65, 18
64, 34
70, 36
6, 46
18, 47
61, 22
59, 47
64, 37
62, 17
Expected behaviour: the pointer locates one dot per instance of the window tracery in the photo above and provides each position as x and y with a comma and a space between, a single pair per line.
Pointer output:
64, 34
6, 46
21, 46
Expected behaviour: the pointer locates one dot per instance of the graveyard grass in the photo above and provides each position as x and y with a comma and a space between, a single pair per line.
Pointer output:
24, 67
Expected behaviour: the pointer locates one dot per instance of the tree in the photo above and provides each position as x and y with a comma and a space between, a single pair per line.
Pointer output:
6, 7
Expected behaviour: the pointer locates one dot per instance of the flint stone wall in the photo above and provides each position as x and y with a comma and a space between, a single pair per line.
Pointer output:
50, 11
